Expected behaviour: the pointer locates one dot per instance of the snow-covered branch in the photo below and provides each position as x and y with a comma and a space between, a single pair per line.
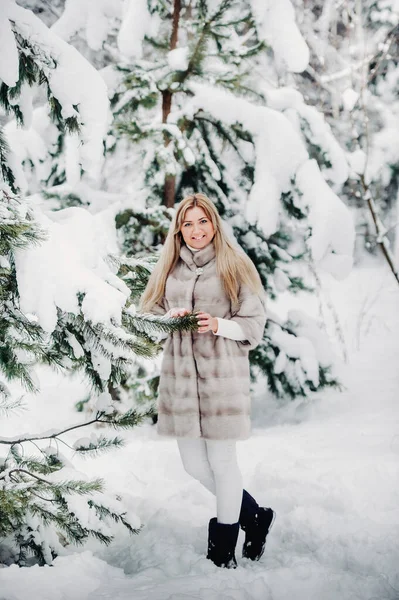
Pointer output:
72, 80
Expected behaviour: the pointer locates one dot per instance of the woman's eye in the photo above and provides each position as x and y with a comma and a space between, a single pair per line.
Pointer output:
187, 224
204, 221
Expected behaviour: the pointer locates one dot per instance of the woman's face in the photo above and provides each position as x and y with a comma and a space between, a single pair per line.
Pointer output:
197, 230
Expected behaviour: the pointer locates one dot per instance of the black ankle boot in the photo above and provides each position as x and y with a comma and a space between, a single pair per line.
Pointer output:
222, 540
256, 521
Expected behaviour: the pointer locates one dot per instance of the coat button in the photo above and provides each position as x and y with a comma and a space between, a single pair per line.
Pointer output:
199, 271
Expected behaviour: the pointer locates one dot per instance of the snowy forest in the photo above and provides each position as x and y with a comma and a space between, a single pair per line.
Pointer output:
285, 113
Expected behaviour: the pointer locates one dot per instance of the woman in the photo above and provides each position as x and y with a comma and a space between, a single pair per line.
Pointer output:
204, 385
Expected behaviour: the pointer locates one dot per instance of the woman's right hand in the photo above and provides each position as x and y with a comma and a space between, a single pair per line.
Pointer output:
178, 312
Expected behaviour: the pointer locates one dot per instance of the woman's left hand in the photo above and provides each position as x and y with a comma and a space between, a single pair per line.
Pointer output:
206, 323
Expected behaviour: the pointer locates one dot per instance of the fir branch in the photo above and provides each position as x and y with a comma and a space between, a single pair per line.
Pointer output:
148, 323
129, 419
13, 369
98, 333
32, 463
75, 486
198, 55
79, 487
102, 445
6, 403
6, 171
69, 524
103, 512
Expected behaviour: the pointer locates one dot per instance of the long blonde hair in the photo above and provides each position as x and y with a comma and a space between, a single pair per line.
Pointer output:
233, 266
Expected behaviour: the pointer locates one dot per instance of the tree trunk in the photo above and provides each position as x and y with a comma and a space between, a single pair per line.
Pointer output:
170, 180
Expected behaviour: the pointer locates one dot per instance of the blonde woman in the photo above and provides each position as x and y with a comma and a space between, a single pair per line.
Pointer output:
204, 397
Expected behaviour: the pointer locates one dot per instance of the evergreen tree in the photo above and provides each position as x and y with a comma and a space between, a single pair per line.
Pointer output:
67, 330
188, 78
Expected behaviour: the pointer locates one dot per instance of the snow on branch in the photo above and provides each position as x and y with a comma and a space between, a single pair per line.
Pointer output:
276, 25
70, 262
96, 19
136, 23
333, 231
315, 128
72, 80
281, 157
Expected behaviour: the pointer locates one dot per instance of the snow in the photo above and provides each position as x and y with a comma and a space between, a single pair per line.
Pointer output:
104, 403
69, 261
276, 25
136, 23
97, 21
317, 131
178, 59
333, 233
281, 280
76, 347
74, 82
308, 327
328, 466
349, 98
321, 135
72, 166
93, 17
357, 161
297, 347
26, 145
80, 575
9, 68
25, 102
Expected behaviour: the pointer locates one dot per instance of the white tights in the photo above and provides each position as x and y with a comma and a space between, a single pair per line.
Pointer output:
214, 464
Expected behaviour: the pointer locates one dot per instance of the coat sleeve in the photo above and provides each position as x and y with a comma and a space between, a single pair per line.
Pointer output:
251, 316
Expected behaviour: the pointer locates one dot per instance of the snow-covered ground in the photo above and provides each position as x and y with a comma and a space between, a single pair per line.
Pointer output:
328, 466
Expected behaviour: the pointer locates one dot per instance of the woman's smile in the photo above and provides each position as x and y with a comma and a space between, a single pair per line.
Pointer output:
197, 229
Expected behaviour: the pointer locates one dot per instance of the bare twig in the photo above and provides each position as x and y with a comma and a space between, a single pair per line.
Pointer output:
347, 71
380, 229
49, 436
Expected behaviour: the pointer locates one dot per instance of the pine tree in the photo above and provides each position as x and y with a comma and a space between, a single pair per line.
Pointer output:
163, 105
176, 57
36, 518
